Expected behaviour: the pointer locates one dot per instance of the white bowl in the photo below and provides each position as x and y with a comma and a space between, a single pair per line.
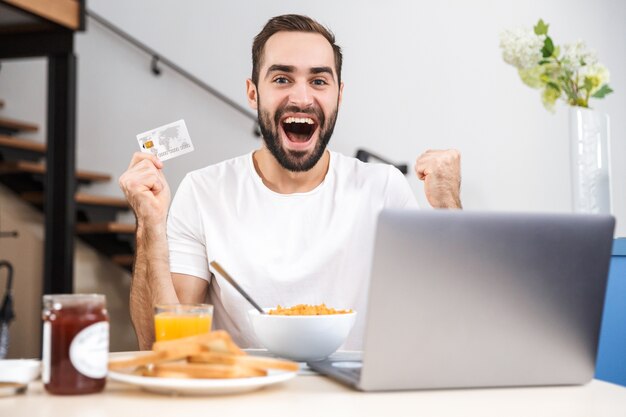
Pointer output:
21, 371
302, 338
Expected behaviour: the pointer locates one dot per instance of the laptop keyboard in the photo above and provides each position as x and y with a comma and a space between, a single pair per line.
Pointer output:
346, 369
352, 373
350, 369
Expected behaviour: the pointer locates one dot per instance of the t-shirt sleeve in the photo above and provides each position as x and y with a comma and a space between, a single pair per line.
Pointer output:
185, 235
399, 194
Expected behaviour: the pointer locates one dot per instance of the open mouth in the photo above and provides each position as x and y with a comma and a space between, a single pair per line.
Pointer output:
299, 129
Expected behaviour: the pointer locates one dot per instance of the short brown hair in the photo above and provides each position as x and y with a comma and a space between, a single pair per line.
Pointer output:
291, 23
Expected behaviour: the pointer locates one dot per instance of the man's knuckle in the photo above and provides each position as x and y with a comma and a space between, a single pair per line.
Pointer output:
134, 183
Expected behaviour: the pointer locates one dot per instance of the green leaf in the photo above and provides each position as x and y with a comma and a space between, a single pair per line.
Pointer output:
548, 48
557, 52
553, 86
541, 28
588, 84
603, 91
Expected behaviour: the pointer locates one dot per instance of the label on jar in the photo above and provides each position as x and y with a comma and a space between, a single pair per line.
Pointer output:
90, 349
45, 353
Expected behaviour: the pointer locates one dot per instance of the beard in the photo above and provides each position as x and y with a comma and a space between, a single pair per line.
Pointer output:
295, 161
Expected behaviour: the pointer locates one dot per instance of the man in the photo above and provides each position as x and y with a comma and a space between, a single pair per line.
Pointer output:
292, 222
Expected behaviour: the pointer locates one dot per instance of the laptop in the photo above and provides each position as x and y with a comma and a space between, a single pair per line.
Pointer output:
468, 299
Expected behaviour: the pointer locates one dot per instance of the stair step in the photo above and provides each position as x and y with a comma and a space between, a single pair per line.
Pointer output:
107, 237
123, 260
38, 168
25, 145
82, 199
101, 228
97, 200
14, 126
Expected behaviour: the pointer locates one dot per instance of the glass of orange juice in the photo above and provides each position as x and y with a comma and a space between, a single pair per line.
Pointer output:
172, 321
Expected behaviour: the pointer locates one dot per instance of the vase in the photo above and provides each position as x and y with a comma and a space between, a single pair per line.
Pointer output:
590, 161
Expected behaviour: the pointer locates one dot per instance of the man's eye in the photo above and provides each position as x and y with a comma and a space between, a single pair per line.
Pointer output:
319, 81
281, 80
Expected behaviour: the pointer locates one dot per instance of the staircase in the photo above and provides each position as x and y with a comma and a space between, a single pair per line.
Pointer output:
23, 169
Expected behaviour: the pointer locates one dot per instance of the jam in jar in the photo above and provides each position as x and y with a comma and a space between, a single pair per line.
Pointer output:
75, 343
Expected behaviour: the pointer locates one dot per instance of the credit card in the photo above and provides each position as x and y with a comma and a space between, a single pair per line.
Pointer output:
166, 142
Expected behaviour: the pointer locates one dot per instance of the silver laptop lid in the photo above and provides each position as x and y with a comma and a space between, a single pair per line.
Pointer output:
462, 299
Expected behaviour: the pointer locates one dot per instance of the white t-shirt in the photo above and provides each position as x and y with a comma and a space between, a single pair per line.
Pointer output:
286, 249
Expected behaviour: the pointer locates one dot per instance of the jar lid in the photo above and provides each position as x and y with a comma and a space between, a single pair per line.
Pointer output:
69, 300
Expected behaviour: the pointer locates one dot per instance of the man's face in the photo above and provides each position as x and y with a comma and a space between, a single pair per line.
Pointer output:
297, 98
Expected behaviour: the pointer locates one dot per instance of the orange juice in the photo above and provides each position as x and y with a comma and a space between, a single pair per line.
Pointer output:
170, 326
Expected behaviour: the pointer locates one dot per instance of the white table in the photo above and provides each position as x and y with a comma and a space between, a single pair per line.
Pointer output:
311, 395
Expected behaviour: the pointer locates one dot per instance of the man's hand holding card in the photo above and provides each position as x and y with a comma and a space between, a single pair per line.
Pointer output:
144, 184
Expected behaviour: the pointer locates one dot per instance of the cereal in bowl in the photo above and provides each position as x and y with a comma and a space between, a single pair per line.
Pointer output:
306, 310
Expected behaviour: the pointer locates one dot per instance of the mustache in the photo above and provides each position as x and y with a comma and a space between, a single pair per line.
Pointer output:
316, 111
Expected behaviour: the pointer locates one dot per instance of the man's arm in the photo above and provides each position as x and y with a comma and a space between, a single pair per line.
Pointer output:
148, 194
441, 173
153, 284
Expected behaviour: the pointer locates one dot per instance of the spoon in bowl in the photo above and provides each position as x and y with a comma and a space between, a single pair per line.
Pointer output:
232, 282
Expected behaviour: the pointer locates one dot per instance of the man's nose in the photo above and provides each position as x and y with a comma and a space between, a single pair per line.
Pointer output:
300, 95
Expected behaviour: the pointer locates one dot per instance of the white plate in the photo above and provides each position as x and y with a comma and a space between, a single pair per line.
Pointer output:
203, 386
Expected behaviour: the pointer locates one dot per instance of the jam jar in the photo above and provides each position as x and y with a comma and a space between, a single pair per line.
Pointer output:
75, 343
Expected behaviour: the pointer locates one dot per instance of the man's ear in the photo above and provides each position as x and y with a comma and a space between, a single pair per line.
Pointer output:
252, 94
340, 93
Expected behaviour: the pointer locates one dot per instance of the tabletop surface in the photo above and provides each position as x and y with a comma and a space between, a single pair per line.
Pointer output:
311, 395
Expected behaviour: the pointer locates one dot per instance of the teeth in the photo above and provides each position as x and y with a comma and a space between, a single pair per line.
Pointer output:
306, 120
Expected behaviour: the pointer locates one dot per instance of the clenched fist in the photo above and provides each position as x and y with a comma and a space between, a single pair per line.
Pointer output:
146, 189
441, 172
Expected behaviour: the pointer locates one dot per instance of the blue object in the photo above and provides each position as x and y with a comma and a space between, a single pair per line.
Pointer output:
611, 361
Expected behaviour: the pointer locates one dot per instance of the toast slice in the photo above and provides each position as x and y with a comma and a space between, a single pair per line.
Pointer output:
172, 352
248, 361
216, 341
205, 370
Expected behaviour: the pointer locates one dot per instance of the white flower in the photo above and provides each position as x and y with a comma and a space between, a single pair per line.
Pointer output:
549, 96
532, 76
521, 47
597, 74
577, 55
570, 73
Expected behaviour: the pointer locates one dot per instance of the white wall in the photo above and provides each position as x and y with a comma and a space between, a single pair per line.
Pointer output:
417, 75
